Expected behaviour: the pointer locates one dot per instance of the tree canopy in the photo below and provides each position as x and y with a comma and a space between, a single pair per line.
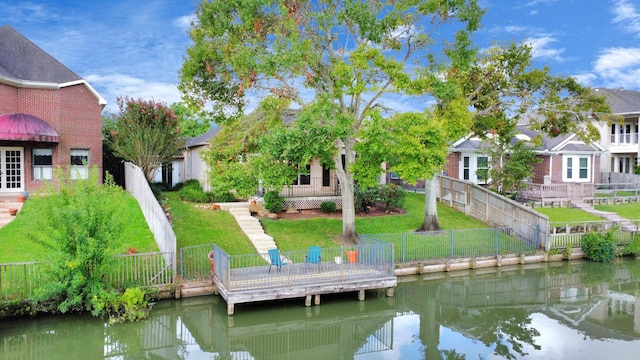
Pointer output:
333, 60
145, 133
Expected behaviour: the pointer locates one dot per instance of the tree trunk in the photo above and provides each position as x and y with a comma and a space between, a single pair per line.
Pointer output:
349, 234
430, 222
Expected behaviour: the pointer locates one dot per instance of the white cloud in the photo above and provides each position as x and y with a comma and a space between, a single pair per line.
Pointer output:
585, 78
627, 15
184, 22
619, 67
540, 48
119, 85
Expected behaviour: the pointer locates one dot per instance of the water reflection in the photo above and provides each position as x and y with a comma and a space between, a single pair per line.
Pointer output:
561, 310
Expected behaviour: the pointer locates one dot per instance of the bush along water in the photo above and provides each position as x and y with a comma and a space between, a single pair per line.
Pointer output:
599, 247
78, 222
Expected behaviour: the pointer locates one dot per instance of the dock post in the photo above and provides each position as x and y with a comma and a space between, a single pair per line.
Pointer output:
307, 301
316, 299
361, 295
390, 292
230, 308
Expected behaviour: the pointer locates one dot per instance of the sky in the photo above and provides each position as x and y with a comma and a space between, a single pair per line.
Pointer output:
136, 48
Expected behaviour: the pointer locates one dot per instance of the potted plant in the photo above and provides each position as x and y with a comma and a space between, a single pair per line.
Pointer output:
352, 255
210, 256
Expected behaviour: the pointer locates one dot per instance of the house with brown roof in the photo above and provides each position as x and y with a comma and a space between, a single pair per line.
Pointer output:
49, 117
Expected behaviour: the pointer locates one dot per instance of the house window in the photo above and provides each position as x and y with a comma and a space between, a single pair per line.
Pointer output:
79, 163
584, 168
577, 168
625, 134
42, 164
613, 133
304, 179
624, 165
465, 168
482, 169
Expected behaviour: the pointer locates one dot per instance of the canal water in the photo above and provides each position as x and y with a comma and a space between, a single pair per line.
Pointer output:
563, 310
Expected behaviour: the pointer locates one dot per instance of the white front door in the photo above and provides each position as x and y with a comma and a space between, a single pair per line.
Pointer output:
11, 169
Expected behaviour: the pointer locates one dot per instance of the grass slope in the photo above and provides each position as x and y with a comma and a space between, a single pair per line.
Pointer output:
567, 215
194, 226
17, 245
629, 211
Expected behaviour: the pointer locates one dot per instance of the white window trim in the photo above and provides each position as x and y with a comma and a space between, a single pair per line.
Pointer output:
41, 172
79, 171
575, 173
473, 167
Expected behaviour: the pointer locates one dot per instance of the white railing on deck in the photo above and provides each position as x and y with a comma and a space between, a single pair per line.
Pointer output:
137, 185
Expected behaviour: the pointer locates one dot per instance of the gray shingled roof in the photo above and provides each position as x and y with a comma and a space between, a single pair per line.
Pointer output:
621, 101
22, 60
203, 139
548, 143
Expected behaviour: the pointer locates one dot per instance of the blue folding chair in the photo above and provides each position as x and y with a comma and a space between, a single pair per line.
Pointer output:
314, 256
276, 259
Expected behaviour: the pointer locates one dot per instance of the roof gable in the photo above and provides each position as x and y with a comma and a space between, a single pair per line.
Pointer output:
621, 101
22, 60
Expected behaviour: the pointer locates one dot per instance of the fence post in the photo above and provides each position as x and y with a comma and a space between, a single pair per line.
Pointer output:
496, 239
451, 243
404, 247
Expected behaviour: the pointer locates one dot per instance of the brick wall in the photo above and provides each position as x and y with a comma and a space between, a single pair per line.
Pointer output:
72, 111
452, 166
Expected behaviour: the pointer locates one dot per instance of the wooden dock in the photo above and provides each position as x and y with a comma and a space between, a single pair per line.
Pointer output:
297, 281
300, 280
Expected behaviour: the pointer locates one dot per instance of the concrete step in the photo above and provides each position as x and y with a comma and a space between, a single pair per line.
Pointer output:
259, 237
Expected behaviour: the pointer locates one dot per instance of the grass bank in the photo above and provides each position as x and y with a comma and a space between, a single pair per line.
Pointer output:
17, 243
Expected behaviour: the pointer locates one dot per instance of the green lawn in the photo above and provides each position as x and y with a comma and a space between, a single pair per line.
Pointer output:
195, 226
16, 244
567, 215
629, 211
299, 234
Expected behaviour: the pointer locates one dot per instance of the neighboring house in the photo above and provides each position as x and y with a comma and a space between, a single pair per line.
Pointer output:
49, 117
192, 164
565, 159
621, 137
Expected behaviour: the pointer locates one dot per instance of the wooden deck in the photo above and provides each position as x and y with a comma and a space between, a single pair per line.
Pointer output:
298, 280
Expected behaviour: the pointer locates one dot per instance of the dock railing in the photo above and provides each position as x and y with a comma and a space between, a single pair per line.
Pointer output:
194, 262
251, 271
435, 245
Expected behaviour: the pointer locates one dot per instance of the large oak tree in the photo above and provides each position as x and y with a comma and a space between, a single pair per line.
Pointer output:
336, 60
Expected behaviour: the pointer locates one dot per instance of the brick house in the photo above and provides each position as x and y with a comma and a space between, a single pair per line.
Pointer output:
49, 117
565, 159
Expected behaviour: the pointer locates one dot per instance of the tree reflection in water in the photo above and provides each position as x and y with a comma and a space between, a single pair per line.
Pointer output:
487, 313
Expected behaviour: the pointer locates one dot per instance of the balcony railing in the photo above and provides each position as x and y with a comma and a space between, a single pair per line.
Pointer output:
624, 139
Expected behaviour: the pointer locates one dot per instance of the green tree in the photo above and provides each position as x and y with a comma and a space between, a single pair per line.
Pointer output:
77, 227
511, 163
146, 133
500, 87
347, 54
190, 122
